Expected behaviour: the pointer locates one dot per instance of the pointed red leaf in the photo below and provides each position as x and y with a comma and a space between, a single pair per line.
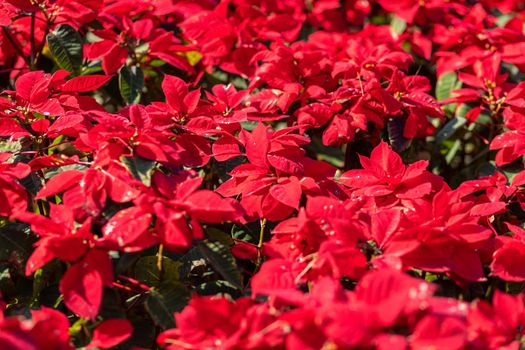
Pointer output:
81, 287
208, 206
257, 146
110, 333
125, 227
60, 183
287, 193
175, 89
85, 83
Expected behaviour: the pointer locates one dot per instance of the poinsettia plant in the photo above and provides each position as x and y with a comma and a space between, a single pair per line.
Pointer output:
233, 174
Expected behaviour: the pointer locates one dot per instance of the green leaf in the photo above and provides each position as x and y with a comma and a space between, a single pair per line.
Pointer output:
131, 82
16, 243
162, 303
77, 327
157, 63
44, 277
143, 336
32, 183
239, 83
453, 151
9, 146
398, 25
220, 287
445, 84
245, 233
220, 236
111, 306
147, 272
217, 77
7, 286
395, 128
140, 168
193, 57
504, 19
222, 260
450, 128
65, 45
514, 287
332, 155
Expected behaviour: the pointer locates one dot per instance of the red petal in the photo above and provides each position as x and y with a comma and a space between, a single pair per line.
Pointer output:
60, 183
114, 59
175, 89
125, 227
85, 83
287, 193
388, 160
486, 209
226, 148
81, 287
100, 48
110, 333
257, 146
208, 206
24, 85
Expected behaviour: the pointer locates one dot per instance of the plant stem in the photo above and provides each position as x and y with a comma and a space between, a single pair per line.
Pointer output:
32, 39
15, 45
160, 255
260, 244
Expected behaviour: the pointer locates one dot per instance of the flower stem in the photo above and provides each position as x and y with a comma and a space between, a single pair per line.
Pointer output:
260, 244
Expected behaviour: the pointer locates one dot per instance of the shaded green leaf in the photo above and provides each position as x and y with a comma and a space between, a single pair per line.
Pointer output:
16, 243
395, 127
7, 286
220, 287
140, 168
65, 45
445, 84
162, 303
44, 277
147, 272
450, 128
220, 236
131, 82
222, 260
398, 25
111, 306
453, 151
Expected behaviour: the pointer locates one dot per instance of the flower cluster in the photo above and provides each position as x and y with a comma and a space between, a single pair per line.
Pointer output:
260, 174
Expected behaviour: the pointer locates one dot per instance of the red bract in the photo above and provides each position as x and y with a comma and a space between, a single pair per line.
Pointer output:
412, 10
113, 49
181, 102
179, 208
59, 237
273, 174
441, 237
47, 330
53, 95
82, 284
327, 315
385, 174
272, 182
110, 333
497, 326
89, 190
505, 263
13, 194
510, 144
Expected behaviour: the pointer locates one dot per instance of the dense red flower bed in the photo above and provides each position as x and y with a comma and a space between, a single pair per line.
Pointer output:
262, 174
